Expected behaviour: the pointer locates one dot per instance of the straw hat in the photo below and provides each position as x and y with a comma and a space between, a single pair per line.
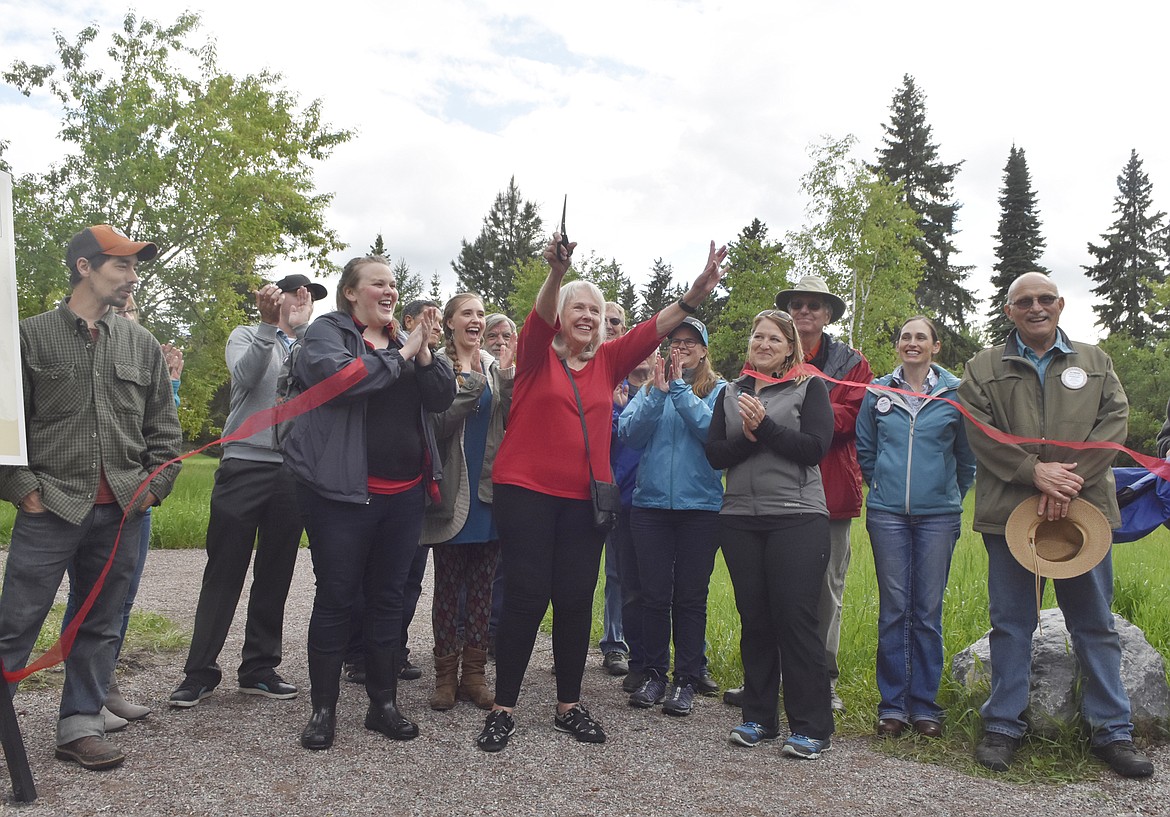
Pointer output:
1063, 548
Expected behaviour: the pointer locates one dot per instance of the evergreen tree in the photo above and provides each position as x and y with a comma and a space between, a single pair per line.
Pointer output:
1019, 242
1131, 263
910, 157
436, 293
757, 269
660, 290
511, 233
410, 284
611, 280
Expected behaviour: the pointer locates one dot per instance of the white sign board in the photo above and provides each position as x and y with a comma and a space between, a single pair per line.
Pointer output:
12, 444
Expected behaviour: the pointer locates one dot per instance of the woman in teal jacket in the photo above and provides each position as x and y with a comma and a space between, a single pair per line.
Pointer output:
915, 457
674, 521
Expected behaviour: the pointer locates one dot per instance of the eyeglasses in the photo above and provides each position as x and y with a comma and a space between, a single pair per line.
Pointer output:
689, 343
614, 321
797, 304
775, 314
1027, 302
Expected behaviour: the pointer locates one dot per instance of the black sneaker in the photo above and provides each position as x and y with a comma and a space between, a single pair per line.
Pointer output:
680, 700
1124, 758
651, 693
996, 751
355, 672
705, 684
616, 663
579, 723
272, 686
500, 726
733, 696
189, 693
408, 671
632, 681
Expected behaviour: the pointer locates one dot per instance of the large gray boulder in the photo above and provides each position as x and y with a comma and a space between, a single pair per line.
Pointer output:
1054, 701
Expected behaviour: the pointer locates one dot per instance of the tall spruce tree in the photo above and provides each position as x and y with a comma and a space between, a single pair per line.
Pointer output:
910, 156
511, 233
1131, 263
1019, 243
660, 290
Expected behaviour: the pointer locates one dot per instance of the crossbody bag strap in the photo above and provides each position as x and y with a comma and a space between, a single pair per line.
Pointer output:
581, 414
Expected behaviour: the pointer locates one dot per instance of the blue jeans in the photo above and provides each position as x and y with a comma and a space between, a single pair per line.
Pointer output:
912, 558
43, 546
676, 554
73, 601
1085, 601
613, 637
622, 542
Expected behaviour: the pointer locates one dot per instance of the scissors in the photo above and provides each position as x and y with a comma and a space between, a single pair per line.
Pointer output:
564, 242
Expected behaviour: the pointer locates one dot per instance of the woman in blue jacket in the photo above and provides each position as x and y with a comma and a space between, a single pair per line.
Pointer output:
914, 456
675, 518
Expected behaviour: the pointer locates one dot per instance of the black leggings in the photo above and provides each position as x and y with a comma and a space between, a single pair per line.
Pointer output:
551, 552
777, 575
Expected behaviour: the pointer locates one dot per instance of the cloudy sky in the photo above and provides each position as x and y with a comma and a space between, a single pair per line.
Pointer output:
669, 123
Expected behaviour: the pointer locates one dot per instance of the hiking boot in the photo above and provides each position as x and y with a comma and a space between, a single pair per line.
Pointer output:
805, 748
632, 681
651, 693
680, 701
408, 671
705, 684
1124, 758
579, 723
189, 693
751, 734
996, 751
272, 686
616, 663
91, 752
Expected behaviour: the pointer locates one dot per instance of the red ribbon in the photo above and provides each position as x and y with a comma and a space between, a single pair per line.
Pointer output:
307, 400
1152, 464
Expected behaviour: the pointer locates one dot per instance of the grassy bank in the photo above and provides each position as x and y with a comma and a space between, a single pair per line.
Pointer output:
1142, 596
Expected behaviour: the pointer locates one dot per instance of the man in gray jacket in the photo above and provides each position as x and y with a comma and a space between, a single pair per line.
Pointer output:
253, 496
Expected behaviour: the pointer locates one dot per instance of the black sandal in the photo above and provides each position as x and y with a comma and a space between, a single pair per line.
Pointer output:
579, 723
499, 727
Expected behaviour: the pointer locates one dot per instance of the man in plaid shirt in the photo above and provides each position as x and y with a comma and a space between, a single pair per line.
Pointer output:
101, 418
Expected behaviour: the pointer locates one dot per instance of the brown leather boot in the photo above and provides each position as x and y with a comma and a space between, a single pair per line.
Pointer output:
472, 683
446, 680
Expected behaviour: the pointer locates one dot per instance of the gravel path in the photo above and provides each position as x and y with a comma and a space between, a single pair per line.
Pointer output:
239, 754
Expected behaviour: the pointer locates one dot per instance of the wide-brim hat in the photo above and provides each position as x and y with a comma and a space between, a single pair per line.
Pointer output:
812, 285
291, 283
1062, 548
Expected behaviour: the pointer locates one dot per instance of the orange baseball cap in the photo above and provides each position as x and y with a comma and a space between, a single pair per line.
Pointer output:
107, 240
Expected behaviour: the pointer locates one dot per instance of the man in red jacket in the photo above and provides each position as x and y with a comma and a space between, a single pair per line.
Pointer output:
813, 308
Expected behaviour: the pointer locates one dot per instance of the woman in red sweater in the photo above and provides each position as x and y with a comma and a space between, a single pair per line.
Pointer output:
541, 480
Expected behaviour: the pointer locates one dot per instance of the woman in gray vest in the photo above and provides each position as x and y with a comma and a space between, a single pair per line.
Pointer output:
770, 431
